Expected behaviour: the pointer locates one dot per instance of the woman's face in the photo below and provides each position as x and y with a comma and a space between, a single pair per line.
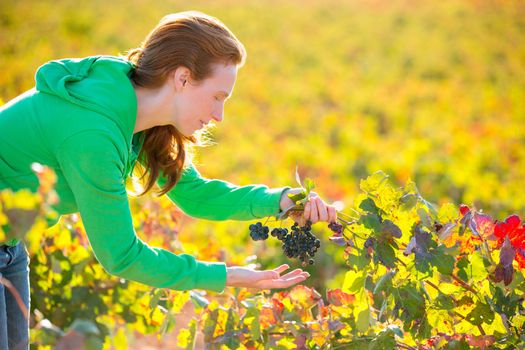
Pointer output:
198, 103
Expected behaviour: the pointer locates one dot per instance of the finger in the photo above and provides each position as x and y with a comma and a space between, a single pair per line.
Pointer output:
280, 283
314, 216
332, 214
292, 273
307, 210
281, 268
321, 208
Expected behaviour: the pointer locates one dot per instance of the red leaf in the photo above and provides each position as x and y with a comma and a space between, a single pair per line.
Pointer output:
520, 258
482, 225
339, 298
482, 341
463, 209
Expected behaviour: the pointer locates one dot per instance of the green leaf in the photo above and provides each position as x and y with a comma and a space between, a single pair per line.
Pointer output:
386, 254
462, 266
371, 222
154, 300
383, 341
444, 302
410, 300
363, 320
476, 270
442, 261
358, 344
308, 185
369, 206
423, 330
358, 261
384, 283
480, 314
297, 197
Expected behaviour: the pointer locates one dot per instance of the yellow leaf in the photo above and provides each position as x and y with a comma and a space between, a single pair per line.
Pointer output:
157, 317
183, 339
354, 282
120, 340
497, 325
287, 343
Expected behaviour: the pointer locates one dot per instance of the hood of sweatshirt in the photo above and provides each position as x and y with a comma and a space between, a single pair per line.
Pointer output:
98, 83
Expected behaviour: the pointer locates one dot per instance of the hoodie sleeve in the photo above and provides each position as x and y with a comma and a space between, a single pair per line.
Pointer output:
93, 167
220, 200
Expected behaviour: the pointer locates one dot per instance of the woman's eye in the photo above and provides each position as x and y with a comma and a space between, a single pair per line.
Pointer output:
217, 98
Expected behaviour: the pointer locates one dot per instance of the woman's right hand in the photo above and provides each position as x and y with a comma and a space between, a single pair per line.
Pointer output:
241, 276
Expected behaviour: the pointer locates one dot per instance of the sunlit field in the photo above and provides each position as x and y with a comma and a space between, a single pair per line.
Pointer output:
431, 92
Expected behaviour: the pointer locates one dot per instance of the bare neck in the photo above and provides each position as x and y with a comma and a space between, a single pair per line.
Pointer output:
151, 108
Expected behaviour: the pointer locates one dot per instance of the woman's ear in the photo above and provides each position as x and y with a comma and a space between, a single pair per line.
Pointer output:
180, 78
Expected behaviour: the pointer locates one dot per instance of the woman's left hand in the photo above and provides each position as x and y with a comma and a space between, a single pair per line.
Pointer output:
314, 210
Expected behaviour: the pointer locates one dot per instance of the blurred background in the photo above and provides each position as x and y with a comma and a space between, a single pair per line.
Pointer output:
432, 92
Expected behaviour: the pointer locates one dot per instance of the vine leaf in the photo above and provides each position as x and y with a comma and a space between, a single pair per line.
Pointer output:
480, 314
504, 270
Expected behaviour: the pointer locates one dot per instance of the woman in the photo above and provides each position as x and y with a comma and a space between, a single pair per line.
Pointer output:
90, 120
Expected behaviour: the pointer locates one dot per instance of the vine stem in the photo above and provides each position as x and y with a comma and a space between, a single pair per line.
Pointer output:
480, 328
465, 285
487, 250
402, 263
346, 222
347, 215
437, 288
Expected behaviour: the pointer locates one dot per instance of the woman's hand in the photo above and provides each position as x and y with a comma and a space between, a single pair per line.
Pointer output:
241, 276
314, 210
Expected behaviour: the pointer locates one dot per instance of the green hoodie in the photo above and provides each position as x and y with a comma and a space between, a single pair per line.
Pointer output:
79, 120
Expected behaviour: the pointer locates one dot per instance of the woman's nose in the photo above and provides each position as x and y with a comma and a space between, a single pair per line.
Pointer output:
218, 115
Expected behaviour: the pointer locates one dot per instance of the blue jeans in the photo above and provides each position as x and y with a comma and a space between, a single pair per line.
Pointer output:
14, 272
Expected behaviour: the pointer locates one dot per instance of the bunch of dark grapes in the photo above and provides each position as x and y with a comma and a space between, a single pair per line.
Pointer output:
258, 232
336, 228
300, 243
